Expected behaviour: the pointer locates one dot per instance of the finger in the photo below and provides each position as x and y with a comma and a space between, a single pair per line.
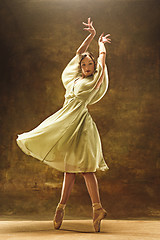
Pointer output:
101, 36
108, 35
91, 24
86, 24
105, 40
89, 20
87, 29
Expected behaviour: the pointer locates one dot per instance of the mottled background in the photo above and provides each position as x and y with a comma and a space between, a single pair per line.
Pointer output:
37, 40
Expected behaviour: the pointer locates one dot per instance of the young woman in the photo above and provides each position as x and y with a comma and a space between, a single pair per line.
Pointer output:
69, 140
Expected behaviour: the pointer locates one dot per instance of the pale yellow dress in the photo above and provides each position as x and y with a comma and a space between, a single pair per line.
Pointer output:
69, 140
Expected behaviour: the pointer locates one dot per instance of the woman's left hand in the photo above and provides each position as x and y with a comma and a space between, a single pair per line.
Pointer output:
89, 26
104, 39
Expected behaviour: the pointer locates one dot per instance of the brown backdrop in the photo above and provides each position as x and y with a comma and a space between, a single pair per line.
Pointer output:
37, 40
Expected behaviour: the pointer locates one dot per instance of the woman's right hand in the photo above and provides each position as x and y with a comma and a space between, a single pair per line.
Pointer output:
104, 39
89, 27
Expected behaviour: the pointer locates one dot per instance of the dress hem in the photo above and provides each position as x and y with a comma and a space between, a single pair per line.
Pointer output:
26, 151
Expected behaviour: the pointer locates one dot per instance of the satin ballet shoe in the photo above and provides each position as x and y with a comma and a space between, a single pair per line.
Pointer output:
59, 214
98, 214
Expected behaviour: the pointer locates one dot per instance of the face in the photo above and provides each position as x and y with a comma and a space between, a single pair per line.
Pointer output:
87, 67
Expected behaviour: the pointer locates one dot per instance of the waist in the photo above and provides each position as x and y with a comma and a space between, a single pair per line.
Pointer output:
75, 99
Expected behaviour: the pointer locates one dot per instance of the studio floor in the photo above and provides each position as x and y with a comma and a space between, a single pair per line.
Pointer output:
80, 229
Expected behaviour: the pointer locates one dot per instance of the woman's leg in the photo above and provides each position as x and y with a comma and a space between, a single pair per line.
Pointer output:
98, 212
68, 182
92, 186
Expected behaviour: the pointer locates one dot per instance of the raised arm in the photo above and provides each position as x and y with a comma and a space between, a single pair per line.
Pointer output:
85, 44
102, 54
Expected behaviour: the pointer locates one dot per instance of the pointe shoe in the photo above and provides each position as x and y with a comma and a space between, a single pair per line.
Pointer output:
59, 214
98, 214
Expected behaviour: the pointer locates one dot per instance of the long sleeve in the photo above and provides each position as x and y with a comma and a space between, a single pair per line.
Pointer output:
71, 71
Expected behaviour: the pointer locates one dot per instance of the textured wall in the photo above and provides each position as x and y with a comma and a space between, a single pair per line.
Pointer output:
37, 39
